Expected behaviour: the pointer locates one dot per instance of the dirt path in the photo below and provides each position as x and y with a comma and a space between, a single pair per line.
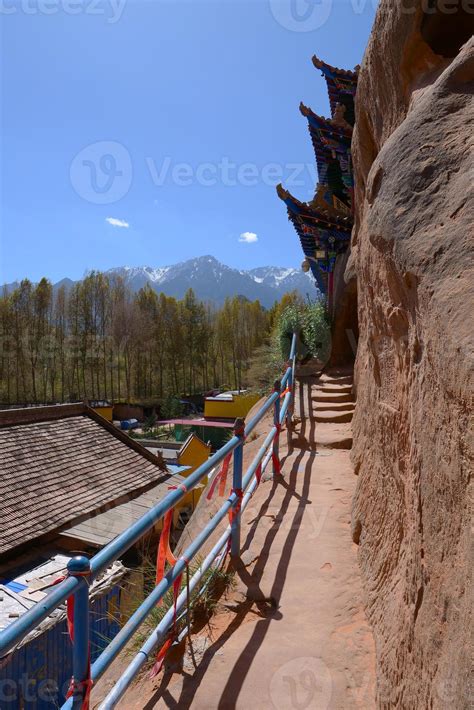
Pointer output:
292, 633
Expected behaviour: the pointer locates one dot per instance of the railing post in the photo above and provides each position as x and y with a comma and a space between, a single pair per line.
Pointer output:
80, 567
289, 413
239, 427
276, 422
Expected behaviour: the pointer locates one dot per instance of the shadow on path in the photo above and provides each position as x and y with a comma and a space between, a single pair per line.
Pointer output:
256, 603
239, 672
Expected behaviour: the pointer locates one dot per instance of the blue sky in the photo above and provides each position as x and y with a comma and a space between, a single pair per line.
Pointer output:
174, 118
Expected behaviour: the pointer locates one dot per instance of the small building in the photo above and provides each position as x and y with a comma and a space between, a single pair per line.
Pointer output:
229, 405
70, 482
102, 407
66, 463
135, 410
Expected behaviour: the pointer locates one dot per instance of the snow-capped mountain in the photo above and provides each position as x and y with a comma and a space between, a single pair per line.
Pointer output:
213, 281
275, 276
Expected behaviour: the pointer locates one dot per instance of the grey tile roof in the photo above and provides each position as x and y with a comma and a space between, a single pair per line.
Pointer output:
55, 471
101, 528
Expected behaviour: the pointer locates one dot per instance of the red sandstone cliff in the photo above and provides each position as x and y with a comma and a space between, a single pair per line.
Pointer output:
412, 255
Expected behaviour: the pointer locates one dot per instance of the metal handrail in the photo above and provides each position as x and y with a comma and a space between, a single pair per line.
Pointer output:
82, 571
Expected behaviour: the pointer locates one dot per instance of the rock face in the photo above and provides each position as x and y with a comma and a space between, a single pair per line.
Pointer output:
412, 255
345, 332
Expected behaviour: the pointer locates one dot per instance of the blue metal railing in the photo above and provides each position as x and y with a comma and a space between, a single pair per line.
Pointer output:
82, 571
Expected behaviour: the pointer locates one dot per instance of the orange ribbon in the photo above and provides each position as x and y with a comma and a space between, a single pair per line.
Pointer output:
164, 553
220, 478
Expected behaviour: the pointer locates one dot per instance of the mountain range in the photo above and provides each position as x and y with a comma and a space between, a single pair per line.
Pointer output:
213, 281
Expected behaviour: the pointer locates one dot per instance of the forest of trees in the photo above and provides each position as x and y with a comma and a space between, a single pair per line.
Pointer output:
98, 340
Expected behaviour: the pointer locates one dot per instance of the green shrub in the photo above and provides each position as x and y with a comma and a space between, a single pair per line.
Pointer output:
316, 332
289, 322
310, 321
171, 408
149, 423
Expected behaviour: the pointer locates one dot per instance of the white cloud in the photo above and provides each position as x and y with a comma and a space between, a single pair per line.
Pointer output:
248, 237
117, 222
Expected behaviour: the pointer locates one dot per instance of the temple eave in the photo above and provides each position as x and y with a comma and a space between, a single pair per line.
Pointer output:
320, 217
323, 123
324, 224
325, 67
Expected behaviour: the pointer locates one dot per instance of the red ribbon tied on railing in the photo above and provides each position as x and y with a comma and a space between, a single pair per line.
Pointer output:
235, 511
275, 459
161, 655
221, 476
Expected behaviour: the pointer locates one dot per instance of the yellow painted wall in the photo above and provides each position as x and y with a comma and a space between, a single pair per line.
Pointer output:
193, 453
239, 406
105, 412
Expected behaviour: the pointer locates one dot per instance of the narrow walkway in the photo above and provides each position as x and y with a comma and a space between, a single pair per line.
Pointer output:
292, 634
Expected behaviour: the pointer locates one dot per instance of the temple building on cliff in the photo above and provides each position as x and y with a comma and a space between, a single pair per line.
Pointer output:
324, 225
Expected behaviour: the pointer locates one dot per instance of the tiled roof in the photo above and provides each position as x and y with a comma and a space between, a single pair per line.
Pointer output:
101, 528
58, 469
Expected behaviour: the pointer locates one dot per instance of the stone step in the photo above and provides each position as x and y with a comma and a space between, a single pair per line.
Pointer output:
333, 440
333, 417
339, 372
329, 387
333, 406
332, 397
336, 380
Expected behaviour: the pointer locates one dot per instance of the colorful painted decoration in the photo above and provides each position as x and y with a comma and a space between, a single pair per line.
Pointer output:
324, 225
342, 87
332, 150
